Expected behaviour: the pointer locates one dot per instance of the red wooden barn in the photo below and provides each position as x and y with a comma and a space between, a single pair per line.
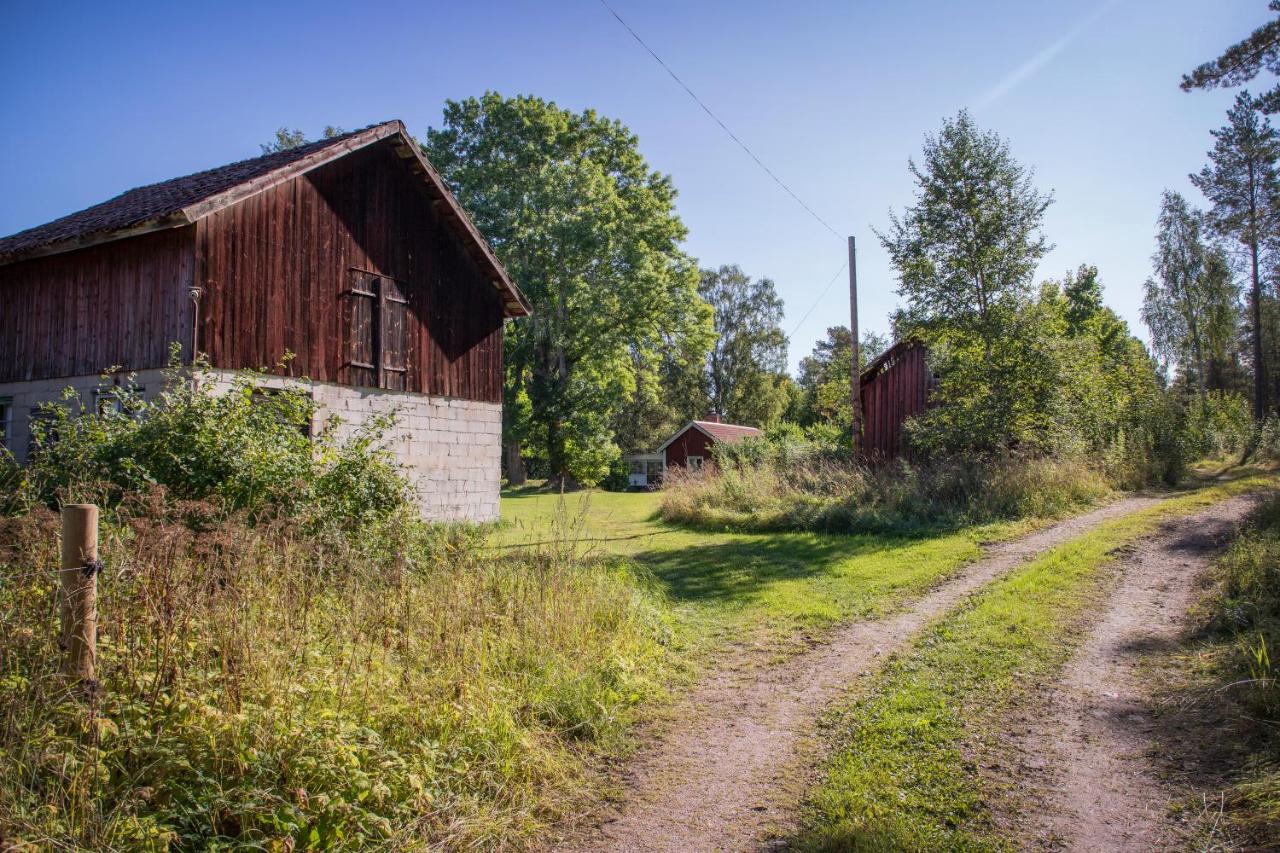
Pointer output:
350, 252
692, 446
895, 387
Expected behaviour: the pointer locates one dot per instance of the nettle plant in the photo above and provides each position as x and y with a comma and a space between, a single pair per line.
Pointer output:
246, 447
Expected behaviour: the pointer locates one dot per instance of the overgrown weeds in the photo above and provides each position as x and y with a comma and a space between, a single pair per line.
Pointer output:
238, 445
1238, 669
829, 494
288, 656
262, 688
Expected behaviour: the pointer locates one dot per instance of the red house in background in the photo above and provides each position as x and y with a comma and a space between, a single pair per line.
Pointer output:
690, 448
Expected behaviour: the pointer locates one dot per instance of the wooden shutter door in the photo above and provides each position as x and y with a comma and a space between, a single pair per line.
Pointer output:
359, 333
392, 361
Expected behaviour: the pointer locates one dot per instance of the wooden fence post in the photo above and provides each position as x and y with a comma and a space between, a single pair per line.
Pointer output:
79, 590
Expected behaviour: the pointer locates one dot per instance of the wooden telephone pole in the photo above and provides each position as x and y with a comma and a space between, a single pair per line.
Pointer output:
855, 385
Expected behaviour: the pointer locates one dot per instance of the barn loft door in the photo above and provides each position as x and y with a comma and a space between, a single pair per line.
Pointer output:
373, 322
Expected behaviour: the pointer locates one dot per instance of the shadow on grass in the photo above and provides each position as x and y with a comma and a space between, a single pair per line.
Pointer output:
738, 569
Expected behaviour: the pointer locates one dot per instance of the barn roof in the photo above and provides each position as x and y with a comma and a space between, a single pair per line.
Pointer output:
182, 201
883, 361
725, 433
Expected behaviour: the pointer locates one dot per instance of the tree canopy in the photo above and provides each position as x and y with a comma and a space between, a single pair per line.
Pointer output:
1242, 184
591, 234
972, 240
1191, 304
746, 367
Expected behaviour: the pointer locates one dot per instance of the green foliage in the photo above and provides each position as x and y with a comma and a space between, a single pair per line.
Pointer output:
591, 234
826, 378
1072, 380
1192, 303
1052, 372
1241, 62
966, 251
1243, 184
243, 448
781, 484
262, 689
287, 139
1235, 661
1247, 609
747, 363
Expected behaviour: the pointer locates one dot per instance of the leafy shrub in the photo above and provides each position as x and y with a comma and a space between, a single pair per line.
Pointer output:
1220, 425
246, 448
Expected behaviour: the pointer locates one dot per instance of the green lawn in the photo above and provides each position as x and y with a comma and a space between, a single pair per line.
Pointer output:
771, 586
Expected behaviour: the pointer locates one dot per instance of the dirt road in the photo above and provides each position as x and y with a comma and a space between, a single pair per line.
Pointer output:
1089, 753
730, 773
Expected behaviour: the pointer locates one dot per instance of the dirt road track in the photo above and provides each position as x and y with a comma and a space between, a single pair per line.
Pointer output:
729, 774
1088, 753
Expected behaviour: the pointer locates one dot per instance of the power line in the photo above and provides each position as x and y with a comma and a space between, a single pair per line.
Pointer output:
723, 126
800, 322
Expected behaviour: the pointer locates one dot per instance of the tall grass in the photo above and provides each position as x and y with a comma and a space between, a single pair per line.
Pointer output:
822, 493
262, 687
1239, 667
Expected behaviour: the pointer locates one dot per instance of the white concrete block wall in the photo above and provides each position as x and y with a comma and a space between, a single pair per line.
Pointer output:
451, 449
23, 398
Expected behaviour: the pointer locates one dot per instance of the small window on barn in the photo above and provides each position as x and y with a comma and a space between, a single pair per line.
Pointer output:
6, 423
294, 407
375, 349
43, 424
118, 401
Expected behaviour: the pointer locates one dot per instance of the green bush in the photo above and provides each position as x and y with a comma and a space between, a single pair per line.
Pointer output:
246, 449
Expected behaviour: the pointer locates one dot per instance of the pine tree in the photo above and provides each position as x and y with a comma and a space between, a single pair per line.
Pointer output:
1241, 62
1242, 183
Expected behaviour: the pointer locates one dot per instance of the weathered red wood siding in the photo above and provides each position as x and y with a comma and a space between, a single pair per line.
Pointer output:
273, 267
898, 391
691, 442
79, 313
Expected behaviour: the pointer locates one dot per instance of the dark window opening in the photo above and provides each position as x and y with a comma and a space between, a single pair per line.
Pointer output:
43, 426
6, 422
306, 411
374, 333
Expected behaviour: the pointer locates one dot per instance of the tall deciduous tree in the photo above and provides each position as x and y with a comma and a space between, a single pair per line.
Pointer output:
972, 240
1242, 183
1241, 62
965, 254
1191, 304
749, 357
590, 233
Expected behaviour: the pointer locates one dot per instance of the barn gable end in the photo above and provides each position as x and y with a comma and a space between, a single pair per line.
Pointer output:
349, 254
894, 387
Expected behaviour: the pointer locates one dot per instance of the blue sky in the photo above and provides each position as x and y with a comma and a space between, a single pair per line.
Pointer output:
833, 96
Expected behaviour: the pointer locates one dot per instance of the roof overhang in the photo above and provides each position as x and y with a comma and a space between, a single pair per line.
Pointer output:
515, 304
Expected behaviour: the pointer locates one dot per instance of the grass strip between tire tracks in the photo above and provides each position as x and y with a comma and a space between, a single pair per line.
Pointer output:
903, 773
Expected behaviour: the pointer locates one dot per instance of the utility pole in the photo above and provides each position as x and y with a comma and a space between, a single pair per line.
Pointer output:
855, 385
